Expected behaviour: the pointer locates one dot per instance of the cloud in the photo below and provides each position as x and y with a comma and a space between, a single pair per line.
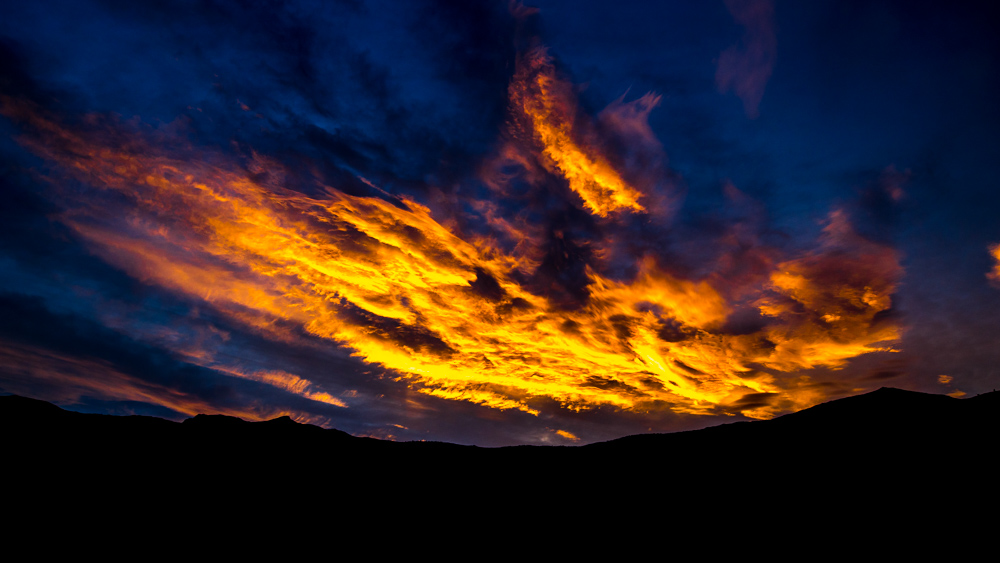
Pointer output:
414, 239
70, 359
463, 316
745, 68
994, 274
546, 108
568, 435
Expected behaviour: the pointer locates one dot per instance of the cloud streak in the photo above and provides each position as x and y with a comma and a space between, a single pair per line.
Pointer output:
455, 318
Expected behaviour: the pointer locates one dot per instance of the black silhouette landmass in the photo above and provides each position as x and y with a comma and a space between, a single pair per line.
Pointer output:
876, 458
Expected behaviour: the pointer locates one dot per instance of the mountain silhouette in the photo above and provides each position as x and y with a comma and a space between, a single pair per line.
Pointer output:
879, 457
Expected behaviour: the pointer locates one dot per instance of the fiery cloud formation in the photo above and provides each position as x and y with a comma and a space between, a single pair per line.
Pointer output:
543, 106
451, 314
490, 223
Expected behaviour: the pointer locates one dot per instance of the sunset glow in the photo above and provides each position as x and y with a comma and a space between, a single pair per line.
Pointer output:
495, 223
444, 314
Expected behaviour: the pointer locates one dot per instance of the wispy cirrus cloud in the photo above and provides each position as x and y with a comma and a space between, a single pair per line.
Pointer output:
746, 67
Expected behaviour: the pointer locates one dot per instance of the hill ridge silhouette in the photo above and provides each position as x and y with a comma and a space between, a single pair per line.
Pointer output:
878, 406
883, 457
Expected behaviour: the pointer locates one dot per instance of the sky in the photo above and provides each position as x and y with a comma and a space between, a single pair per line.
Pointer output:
492, 222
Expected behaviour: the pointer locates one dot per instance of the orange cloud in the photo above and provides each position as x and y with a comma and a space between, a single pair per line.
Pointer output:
448, 315
568, 435
547, 111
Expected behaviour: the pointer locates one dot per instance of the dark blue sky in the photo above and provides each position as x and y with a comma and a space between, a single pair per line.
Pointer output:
850, 143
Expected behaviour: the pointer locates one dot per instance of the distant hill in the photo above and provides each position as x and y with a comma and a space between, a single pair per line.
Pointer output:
885, 454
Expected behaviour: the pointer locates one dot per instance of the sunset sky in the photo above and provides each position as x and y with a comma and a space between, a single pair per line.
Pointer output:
495, 223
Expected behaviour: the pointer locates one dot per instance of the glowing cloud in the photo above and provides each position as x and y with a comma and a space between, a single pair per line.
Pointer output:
994, 275
449, 313
547, 112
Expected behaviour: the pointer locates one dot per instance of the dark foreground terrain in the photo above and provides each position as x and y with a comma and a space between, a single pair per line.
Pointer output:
873, 460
